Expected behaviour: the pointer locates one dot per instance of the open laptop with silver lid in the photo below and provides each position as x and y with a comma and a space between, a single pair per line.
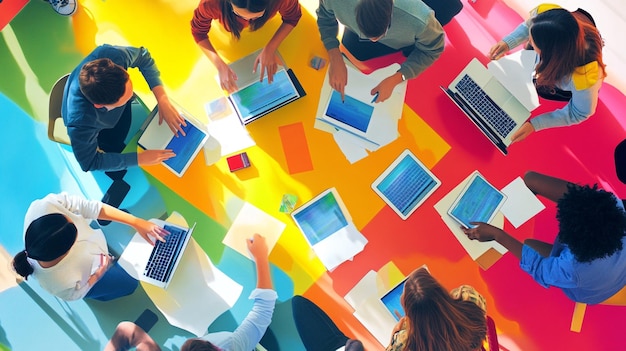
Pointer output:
488, 103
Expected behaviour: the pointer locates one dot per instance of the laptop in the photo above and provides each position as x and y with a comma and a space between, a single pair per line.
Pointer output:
256, 98
479, 201
492, 107
186, 148
158, 267
405, 184
350, 115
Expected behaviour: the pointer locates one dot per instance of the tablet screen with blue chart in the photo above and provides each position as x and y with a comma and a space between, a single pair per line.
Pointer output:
320, 218
392, 300
185, 147
478, 202
351, 112
260, 97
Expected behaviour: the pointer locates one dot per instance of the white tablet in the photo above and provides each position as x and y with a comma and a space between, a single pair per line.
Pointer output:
479, 201
406, 184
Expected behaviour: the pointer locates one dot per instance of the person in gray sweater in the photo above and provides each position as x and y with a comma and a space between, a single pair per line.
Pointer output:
374, 28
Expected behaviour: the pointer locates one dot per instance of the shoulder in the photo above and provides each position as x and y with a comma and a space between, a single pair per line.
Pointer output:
414, 8
468, 293
543, 8
586, 76
210, 6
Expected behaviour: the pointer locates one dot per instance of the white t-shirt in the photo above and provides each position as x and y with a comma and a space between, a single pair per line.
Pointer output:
68, 278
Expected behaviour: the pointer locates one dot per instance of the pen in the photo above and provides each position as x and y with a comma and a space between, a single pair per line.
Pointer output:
375, 97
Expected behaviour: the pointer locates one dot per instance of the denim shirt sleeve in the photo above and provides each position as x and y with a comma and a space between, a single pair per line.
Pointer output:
555, 271
252, 329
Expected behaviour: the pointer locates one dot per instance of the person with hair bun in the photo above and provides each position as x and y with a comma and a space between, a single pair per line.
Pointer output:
67, 256
569, 67
587, 261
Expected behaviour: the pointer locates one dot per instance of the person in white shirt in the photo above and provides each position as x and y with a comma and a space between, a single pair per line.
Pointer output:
67, 256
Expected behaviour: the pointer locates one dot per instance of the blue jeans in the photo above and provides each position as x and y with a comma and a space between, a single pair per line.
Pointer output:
113, 284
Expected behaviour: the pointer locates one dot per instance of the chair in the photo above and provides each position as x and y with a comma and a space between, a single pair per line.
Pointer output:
56, 128
619, 299
492, 336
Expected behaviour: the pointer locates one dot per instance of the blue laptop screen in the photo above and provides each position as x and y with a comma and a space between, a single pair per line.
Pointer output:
321, 218
351, 111
184, 147
477, 203
260, 97
407, 184
391, 300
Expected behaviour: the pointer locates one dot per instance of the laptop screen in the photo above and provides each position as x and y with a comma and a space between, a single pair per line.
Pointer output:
260, 97
321, 218
406, 184
478, 202
351, 111
392, 300
184, 147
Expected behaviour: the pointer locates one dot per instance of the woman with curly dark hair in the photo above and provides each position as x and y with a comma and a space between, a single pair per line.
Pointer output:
587, 260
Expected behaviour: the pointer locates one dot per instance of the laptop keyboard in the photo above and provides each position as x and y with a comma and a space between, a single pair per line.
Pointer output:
500, 121
409, 187
164, 254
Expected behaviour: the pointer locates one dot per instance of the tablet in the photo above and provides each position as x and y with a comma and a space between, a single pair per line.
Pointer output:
392, 300
405, 184
479, 201
321, 217
350, 114
160, 137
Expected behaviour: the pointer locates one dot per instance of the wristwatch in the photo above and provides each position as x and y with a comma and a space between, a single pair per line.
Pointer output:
403, 76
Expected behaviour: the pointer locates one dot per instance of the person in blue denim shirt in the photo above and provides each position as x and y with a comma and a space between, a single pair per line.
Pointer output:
587, 261
96, 108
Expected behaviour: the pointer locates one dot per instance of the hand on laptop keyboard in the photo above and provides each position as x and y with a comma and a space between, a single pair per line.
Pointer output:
148, 229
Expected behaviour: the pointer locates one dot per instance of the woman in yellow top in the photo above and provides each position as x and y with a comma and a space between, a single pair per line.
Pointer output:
569, 66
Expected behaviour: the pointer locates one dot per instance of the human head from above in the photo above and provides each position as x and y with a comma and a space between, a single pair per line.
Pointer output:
198, 345
255, 12
374, 17
564, 41
436, 321
105, 84
47, 238
590, 223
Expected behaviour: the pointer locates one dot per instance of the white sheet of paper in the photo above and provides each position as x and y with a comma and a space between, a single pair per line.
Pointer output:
352, 150
383, 127
227, 129
521, 204
515, 72
474, 248
250, 220
198, 292
369, 310
341, 246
